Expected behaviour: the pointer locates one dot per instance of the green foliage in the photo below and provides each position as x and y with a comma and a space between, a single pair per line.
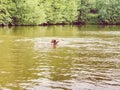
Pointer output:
29, 12
61, 11
84, 9
37, 12
110, 13
6, 11
93, 18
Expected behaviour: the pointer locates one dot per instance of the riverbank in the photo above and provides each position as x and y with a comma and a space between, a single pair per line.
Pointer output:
63, 24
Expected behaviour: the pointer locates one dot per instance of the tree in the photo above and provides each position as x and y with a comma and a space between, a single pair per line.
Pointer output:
61, 11
37, 12
6, 11
83, 11
29, 12
110, 13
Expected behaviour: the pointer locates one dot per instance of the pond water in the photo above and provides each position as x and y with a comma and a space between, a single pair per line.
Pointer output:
86, 58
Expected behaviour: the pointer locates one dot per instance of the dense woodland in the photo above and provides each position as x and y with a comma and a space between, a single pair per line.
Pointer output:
48, 12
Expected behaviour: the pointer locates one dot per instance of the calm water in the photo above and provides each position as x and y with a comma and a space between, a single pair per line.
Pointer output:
86, 58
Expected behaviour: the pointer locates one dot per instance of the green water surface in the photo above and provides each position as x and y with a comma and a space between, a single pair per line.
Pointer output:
86, 58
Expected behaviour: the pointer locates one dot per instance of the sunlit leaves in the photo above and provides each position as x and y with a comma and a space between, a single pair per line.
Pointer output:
61, 11
30, 12
110, 12
7, 9
37, 12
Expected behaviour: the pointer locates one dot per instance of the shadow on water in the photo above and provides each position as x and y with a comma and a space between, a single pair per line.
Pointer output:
86, 58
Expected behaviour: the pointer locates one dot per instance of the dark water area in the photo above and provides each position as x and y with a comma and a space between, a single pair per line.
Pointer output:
86, 58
